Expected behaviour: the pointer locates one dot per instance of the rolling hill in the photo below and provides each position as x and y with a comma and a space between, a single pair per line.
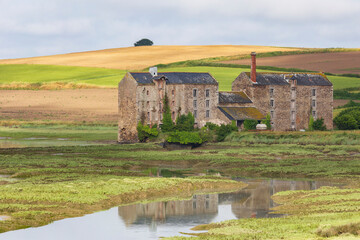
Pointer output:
136, 58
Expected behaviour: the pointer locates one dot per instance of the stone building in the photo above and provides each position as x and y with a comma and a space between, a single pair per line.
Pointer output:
289, 98
141, 98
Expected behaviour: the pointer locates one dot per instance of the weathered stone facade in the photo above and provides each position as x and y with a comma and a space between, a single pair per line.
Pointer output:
289, 98
141, 99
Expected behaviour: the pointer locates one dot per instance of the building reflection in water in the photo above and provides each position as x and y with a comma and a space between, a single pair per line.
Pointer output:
253, 201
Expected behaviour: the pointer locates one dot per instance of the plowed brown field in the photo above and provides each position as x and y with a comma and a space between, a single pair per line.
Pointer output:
133, 58
338, 62
90, 105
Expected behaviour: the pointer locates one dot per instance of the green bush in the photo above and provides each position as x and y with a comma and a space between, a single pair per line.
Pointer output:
167, 123
224, 130
185, 122
319, 125
267, 122
348, 119
311, 123
185, 138
250, 124
346, 122
145, 132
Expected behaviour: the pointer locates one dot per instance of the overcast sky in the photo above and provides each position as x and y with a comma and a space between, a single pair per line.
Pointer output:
43, 27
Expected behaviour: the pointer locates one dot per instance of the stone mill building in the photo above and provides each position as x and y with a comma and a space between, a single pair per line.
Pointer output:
289, 98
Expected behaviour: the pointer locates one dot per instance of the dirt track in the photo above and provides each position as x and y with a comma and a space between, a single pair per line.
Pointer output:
339, 63
90, 105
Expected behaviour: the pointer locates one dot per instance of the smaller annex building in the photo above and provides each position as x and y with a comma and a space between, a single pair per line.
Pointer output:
289, 98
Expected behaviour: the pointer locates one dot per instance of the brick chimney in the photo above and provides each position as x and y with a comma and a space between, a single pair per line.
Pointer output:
253, 66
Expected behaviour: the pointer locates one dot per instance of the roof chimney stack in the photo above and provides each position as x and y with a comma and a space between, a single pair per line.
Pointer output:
153, 71
253, 66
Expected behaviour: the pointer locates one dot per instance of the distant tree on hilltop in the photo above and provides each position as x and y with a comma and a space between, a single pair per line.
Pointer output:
143, 42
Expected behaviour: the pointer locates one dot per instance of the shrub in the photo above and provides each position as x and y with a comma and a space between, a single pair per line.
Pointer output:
185, 138
185, 122
311, 123
144, 42
250, 124
319, 125
267, 122
224, 130
346, 122
145, 132
348, 119
167, 125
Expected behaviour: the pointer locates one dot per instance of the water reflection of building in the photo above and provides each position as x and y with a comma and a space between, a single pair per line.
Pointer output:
252, 201
163, 211
255, 200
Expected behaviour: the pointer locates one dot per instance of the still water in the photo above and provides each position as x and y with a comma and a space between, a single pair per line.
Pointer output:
163, 219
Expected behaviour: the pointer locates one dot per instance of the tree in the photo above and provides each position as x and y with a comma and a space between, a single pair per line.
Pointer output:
348, 119
167, 125
319, 125
143, 42
185, 122
250, 124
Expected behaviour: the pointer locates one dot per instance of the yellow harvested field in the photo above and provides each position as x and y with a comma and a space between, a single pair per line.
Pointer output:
136, 58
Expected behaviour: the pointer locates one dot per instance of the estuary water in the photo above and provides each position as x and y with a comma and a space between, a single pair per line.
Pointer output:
170, 218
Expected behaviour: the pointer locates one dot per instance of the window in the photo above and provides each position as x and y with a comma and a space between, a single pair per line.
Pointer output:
207, 93
147, 92
160, 106
147, 104
194, 205
313, 92
173, 92
173, 103
195, 113
314, 114
173, 115
293, 115
148, 116
272, 103
207, 103
271, 92
292, 105
207, 114
194, 92
195, 103
272, 115
313, 103
293, 92
293, 125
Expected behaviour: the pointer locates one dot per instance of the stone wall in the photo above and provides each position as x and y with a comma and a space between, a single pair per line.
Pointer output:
290, 111
127, 110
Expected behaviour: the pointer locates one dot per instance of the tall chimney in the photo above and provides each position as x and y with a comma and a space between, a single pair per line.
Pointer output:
253, 66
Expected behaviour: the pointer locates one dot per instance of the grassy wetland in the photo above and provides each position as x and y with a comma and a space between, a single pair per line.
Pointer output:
44, 184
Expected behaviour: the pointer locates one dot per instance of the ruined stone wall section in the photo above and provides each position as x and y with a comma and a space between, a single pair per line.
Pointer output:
127, 110
147, 102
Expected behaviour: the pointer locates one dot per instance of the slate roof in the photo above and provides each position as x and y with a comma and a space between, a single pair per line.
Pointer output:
304, 79
233, 97
176, 78
242, 113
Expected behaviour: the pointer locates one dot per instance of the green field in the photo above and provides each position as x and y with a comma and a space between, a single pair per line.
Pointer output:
42, 74
24, 73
